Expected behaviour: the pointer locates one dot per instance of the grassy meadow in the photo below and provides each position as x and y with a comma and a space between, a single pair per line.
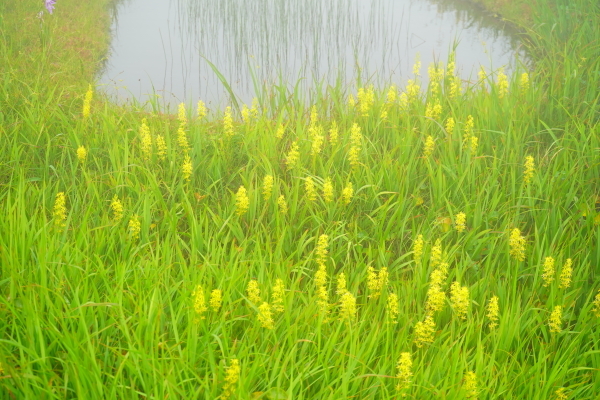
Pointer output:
438, 242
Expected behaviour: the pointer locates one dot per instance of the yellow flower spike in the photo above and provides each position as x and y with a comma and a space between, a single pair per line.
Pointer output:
493, 311
517, 245
392, 94
317, 143
265, 316
333, 133
418, 248
383, 115
187, 168
417, 65
528, 170
433, 111
424, 332
182, 141
482, 74
348, 307
450, 125
82, 154
351, 101
253, 292
228, 128
393, 308
87, 102
341, 284
404, 374
347, 194
199, 302
459, 297
283, 206
372, 281
278, 296
145, 141
471, 385
436, 254
267, 187
232, 376
216, 300
321, 250
561, 394
436, 299
280, 131
366, 98
328, 190
161, 148
356, 143
548, 274
293, 155
59, 212
245, 114
502, 84
117, 208
524, 82
460, 222
242, 203
596, 303
455, 87
182, 115
254, 111
555, 321
311, 191
134, 227
473, 144
201, 109
321, 289
428, 147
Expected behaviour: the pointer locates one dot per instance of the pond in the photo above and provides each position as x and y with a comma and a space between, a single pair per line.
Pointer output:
166, 47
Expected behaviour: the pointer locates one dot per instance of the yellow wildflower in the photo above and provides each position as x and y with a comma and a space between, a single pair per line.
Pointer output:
333, 133
555, 321
216, 299
242, 203
517, 245
481, 74
383, 115
450, 125
60, 210
321, 288
253, 292
278, 296
392, 94
548, 274
418, 248
311, 191
404, 372
317, 144
436, 254
328, 190
473, 144
265, 316
502, 84
433, 111
366, 98
182, 115
348, 307
161, 147
424, 332
529, 169
201, 109
145, 141
460, 222
347, 193
117, 208
471, 385
232, 375
283, 206
134, 227
459, 296
492, 312
199, 302
228, 128
566, 274
280, 131
356, 141
321, 250
267, 187
393, 308
439, 275
87, 102
455, 87
82, 154
417, 65
560, 394
596, 303
524, 82
376, 282
351, 101
436, 299
428, 146
245, 113
293, 155
187, 168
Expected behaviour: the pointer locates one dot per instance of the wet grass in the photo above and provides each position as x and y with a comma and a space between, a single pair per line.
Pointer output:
92, 307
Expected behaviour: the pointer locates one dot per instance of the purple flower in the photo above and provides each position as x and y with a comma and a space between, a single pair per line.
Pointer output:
49, 5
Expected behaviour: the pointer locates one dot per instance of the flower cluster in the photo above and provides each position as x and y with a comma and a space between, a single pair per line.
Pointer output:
232, 376
404, 374
517, 243
492, 312
242, 203
376, 282
459, 296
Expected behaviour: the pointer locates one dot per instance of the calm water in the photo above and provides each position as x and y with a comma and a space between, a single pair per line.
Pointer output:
161, 46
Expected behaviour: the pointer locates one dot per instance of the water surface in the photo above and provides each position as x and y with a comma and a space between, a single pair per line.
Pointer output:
161, 46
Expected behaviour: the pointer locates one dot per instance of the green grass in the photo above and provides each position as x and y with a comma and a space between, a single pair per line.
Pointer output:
88, 312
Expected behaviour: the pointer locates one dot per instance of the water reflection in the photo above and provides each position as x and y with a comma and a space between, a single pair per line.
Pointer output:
163, 45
